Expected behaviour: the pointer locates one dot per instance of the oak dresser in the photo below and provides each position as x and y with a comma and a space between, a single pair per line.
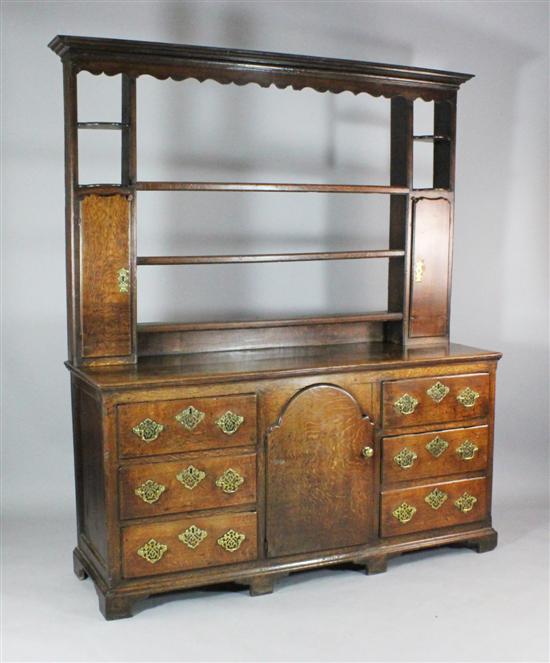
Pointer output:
244, 451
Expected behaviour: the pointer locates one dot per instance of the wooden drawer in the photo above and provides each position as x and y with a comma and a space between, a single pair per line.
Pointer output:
434, 454
206, 482
188, 543
435, 400
161, 427
432, 506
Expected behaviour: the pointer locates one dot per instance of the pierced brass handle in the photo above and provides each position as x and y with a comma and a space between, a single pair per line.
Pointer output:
467, 397
230, 481
467, 450
406, 404
152, 551
404, 512
367, 452
230, 422
150, 491
231, 540
465, 502
148, 430
405, 458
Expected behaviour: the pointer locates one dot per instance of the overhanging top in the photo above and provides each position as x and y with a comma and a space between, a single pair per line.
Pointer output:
224, 65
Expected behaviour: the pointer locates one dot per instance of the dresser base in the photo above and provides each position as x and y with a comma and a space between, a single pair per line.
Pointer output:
118, 603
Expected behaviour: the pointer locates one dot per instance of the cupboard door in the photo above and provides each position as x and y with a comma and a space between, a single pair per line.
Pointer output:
106, 279
320, 473
429, 308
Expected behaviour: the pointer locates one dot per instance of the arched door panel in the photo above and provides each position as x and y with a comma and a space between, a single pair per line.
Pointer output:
319, 483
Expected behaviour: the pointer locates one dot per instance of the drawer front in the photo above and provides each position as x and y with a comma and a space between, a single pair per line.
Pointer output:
432, 506
434, 454
435, 400
207, 482
161, 427
188, 543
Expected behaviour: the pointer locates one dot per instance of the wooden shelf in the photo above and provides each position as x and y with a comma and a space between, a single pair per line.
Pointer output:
275, 187
112, 126
266, 257
432, 139
170, 327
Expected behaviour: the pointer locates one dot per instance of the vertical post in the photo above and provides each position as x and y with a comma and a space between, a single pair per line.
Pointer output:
128, 178
70, 104
401, 172
128, 118
444, 151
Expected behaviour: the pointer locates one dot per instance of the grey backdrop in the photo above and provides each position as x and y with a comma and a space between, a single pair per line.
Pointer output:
500, 301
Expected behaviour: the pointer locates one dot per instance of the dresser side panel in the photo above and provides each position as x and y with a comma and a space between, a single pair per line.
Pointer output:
90, 478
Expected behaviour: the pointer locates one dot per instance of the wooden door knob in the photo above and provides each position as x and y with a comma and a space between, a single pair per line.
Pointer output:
367, 452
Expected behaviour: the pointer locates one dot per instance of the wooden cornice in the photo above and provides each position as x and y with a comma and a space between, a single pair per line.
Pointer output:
224, 65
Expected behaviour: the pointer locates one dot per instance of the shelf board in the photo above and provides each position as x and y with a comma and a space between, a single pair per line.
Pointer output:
274, 187
170, 327
112, 126
267, 257
432, 139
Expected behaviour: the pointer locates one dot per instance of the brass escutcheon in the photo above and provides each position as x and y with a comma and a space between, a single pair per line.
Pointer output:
191, 477
190, 418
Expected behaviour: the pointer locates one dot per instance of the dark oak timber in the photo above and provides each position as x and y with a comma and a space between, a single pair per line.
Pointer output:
218, 451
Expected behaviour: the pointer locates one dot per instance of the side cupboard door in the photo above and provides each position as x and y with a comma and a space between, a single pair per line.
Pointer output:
320, 474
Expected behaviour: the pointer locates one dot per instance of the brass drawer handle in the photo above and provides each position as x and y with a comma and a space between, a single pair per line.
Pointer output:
190, 418
437, 446
152, 551
436, 498
231, 540
191, 477
148, 430
367, 452
405, 458
230, 481
404, 512
406, 404
123, 280
465, 502
467, 450
229, 423
467, 397
150, 491
437, 392
193, 536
